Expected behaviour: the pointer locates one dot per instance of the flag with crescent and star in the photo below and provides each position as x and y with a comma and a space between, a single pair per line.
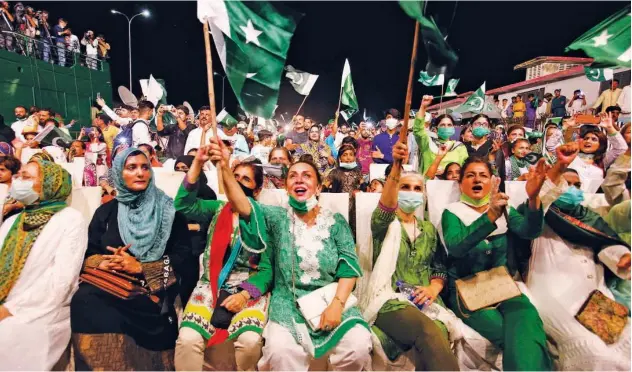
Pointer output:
609, 41
431, 80
451, 89
474, 103
252, 39
53, 136
598, 74
301, 81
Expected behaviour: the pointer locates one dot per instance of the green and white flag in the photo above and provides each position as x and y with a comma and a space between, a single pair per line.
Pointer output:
348, 97
303, 82
609, 41
252, 39
431, 81
598, 74
347, 114
53, 136
451, 89
226, 119
474, 103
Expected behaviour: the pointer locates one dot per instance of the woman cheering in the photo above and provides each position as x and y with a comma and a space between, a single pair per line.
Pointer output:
141, 235
308, 248
476, 231
320, 152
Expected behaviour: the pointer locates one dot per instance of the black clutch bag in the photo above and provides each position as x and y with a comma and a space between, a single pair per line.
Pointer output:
221, 316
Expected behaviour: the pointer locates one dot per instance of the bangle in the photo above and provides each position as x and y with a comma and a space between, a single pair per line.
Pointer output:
245, 294
341, 301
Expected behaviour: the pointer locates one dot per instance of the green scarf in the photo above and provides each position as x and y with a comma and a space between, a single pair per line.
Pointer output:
56, 187
473, 202
516, 164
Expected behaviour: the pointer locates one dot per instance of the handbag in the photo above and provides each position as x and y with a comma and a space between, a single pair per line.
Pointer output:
123, 286
486, 288
221, 316
313, 304
602, 316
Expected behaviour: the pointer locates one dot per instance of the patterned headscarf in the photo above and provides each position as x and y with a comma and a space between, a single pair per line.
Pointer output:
42, 156
5, 149
144, 217
56, 187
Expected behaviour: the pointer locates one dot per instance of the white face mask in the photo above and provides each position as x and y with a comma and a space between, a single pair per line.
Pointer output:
391, 123
23, 192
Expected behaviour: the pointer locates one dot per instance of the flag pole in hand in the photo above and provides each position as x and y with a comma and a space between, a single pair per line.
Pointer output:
403, 133
441, 99
301, 106
211, 97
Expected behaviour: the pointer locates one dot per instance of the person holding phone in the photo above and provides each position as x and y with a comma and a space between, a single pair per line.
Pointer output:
577, 104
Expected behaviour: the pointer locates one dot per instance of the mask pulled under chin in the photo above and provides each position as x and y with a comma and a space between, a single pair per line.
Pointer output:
473, 202
303, 206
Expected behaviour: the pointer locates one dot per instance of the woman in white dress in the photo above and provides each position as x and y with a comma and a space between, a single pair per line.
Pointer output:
568, 262
41, 252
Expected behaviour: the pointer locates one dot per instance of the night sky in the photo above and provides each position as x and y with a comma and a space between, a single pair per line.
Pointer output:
489, 38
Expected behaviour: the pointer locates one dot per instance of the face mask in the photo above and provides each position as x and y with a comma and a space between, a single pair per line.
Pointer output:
445, 132
474, 203
23, 192
348, 165
391, 123
480, 132
303, 206
570, 199
408, 201
247, 190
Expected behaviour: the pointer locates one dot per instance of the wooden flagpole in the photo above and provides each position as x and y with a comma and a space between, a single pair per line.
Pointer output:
441, 99
403, 133
338, 109
211, 97
301, 106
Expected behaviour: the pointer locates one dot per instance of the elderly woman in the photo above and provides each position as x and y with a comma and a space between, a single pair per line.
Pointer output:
141, 235
454, 151
9, 167
320, 152
41, 251
574, 251
407, 249
274, 179
346, 178
232, 255
309, 247
476, 232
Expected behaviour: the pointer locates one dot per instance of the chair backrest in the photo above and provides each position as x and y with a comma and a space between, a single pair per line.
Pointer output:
168, 181
76, 171
379, 170
366, 202
86, 200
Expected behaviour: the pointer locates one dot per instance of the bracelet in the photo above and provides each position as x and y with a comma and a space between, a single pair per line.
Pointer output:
341, 301
243, 293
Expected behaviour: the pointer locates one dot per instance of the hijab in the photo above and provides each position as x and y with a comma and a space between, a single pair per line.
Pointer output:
6, 149
204, 191
56, 187
144, 217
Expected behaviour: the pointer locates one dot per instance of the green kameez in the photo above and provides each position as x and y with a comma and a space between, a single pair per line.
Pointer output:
514, 325
321, 255
456, 154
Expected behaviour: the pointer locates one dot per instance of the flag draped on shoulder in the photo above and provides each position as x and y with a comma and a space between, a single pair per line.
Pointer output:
474, 103
252, 39
609, 41
430, 80
301, 81
451, 89
598, 74
348, 97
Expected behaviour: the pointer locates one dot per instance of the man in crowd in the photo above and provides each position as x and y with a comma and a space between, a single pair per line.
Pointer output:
195, 136
104, 48
140, 126
548, 99
615, 111
503, 108
44, 36
44, 114
510, 113
383, 143
531, 111
558, 104
577, 104
21, 121
6, 24
91, 45
59, 35
134, 113
176, 133
122, 114
105, 123
298, 136
73, 45
363, 153
608, 97
519, 108
340, 135
541, 110
238, 141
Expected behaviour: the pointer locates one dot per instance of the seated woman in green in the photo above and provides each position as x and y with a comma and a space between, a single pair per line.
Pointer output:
430, 147
407, 249
232, 255
475, 232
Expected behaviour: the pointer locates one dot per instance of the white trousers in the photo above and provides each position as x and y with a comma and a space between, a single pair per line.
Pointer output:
282, 353
190, 346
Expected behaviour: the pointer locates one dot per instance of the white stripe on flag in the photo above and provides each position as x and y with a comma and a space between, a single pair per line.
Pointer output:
346, 71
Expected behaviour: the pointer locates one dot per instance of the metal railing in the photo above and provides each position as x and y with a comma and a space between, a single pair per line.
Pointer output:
46, 51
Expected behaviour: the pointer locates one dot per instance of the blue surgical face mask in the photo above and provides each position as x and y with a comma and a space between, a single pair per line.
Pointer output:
445, 132
480, 132
352, 165
570, 199
22, 191
409, 200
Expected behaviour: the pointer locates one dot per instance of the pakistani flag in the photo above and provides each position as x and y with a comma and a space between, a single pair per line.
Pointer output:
430, 81
226, 119
609, 41
347, 114
598, 74
252, 40
451, 89
474, 103
348, 97
53, 136
303, 82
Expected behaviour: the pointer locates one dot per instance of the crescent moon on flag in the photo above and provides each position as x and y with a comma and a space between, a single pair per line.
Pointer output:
477, 103
595, 73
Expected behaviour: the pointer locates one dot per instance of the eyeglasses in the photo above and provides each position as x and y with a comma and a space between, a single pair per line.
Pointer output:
480, 124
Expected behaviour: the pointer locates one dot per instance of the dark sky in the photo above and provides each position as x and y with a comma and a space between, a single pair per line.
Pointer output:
489, 38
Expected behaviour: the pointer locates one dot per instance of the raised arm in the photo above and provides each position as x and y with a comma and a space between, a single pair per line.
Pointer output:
419, 126
220, 156
432, 170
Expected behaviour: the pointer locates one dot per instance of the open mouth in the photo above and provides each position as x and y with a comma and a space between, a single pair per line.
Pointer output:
477, 188
300, 191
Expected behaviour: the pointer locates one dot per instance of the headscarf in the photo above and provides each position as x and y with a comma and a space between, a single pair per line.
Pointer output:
6, 149
56, 187
144, 217
204, 191
43, 156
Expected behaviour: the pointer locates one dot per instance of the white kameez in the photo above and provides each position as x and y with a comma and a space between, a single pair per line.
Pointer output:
561, 276
37, 334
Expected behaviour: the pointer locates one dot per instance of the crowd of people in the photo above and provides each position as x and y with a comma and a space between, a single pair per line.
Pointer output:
27, 31
164, 279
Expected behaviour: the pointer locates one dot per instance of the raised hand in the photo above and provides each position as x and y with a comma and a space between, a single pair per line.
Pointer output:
536, 177
425, 102
400, 152
496, 145
100, 101
497, 201
442, 151
377, 154
202, 156
566, 153
607, 123
219, 153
